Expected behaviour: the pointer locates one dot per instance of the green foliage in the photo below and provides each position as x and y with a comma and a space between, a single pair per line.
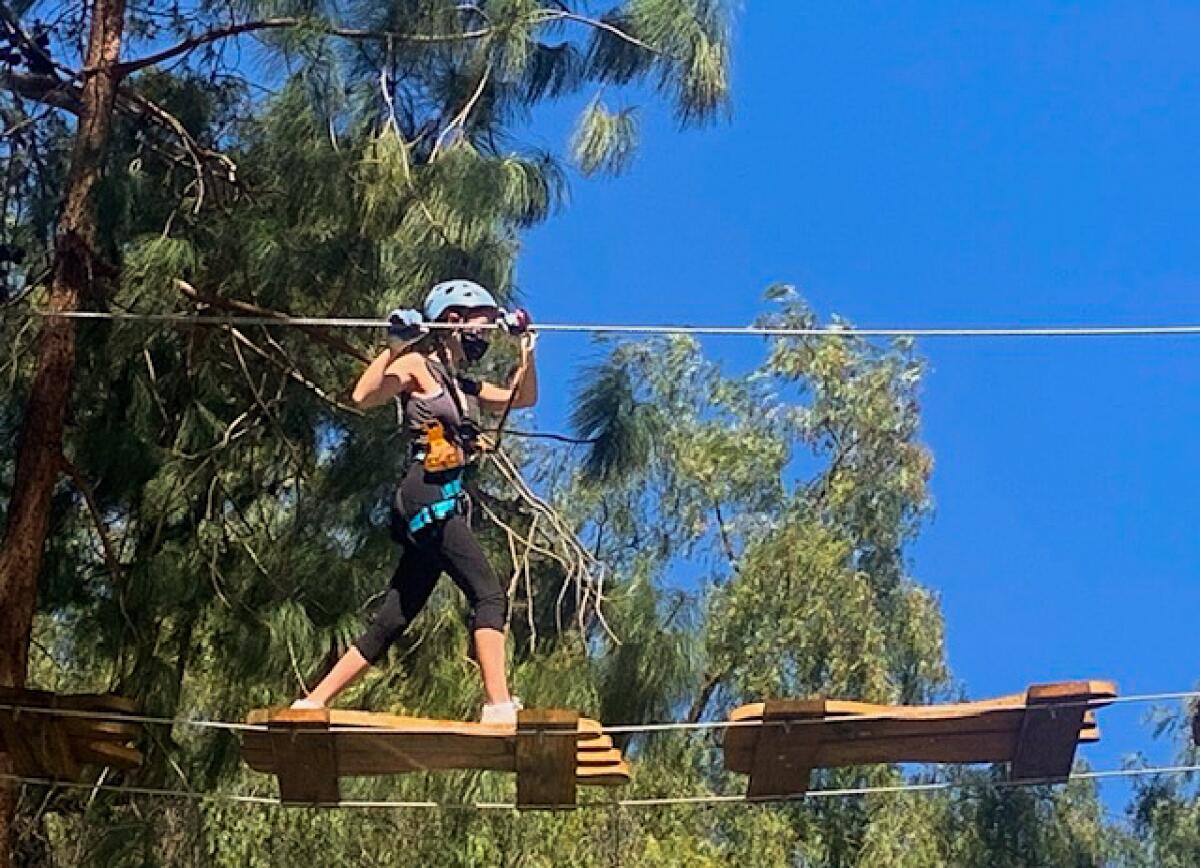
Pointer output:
605, 141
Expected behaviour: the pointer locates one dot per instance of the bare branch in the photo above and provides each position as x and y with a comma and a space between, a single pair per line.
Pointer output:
82, 486
318, 334
110, 552
598, 24
726, 543
294, 374
45, 89
460, 120
704, 696
317, 26
65, 95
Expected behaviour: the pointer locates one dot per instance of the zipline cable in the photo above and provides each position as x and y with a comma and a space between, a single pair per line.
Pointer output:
654, 801
597, 328
621, 729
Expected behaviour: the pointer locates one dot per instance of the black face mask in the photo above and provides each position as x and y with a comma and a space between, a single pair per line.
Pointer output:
474, 346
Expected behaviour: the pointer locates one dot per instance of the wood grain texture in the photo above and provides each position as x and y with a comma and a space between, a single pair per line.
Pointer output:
1030, 730
785, 755
1049, 734
305, 757
47, 745
545, 758
370, 744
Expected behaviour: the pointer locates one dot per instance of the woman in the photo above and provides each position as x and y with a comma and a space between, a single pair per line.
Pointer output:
427, 516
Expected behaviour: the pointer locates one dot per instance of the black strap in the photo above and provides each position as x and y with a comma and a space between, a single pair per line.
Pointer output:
443, 377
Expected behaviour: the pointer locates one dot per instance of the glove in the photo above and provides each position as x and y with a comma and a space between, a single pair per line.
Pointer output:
516, 322
405, 324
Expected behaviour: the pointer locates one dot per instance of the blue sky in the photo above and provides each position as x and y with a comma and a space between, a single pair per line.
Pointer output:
957, 164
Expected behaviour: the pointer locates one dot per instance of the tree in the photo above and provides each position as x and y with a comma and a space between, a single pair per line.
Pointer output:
450, 79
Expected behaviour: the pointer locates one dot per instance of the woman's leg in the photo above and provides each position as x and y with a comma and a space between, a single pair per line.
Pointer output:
467, 565
412, 583
344, 673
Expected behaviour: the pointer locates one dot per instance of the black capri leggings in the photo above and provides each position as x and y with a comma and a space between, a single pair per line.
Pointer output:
446, 546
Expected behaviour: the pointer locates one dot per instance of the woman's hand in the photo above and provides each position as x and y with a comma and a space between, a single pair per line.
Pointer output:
515, 322
404, 326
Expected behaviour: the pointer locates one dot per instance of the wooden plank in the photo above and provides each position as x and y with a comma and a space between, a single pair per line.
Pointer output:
975, 748
95, 730
850, 708
545, 758
592, 758
606, 776
378, 720
107, 753
45, 744
1046, 745
388, 757
72, 701
1098, 690
305, 757
740, 741
784, 755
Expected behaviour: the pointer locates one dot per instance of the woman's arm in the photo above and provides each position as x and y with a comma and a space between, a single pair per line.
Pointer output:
385, 378
523, 381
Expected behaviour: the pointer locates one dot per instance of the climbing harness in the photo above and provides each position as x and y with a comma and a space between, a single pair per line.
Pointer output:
453, 501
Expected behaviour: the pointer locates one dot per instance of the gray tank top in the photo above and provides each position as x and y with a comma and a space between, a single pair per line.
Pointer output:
443, 407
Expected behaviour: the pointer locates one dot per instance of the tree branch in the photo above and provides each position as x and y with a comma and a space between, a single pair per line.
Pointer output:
65, 95
220, 33
294, 374
725, 540
45, 89
110, 552
711, 681
317, 333
599, 24
81, 485
460, 120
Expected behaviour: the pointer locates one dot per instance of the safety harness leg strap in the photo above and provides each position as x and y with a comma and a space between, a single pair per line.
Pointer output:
440, 510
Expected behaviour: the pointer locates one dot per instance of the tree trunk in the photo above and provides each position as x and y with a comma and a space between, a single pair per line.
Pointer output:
39, 450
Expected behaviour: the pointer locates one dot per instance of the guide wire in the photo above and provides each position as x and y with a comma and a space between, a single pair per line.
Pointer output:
1180, 330
620, 729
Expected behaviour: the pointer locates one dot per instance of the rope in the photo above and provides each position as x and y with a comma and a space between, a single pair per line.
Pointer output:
753, 331
667, 726
663, 801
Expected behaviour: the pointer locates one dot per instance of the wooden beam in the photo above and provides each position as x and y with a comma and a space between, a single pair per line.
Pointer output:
546, 758
784, 755
52, 747
14, 743
305, 757
1049, 734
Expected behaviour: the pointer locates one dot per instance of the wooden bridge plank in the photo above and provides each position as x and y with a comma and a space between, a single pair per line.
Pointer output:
368, 744
44, 744
1039, 739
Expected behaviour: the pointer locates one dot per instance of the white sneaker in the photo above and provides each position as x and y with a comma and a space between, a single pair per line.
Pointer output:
306, 704
501, 712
